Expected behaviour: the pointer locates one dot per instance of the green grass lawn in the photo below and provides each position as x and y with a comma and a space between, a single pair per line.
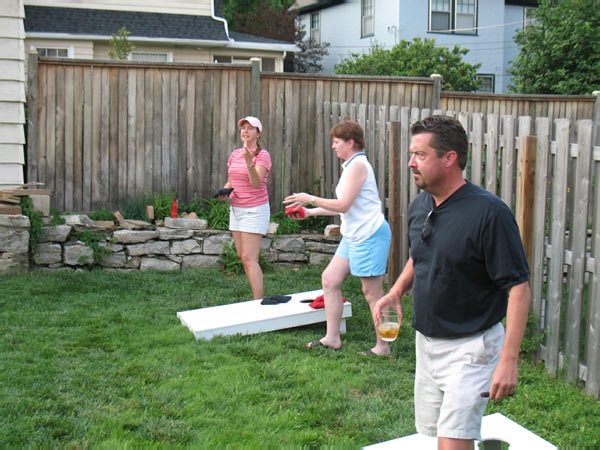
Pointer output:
99, 359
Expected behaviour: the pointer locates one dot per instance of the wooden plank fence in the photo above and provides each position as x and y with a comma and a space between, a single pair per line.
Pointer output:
102, 133
566, 234
572, 107
107, 132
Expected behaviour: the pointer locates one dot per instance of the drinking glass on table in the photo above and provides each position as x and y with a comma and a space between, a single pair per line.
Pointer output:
388, 325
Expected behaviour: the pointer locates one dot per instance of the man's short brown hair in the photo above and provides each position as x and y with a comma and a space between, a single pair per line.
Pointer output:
447, 135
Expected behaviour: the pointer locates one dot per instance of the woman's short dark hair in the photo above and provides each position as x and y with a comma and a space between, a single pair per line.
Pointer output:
447, 134
347, 130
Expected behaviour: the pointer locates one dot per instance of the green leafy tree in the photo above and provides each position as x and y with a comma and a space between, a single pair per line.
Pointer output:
416, 58
120, 44
559, 49
309, 55
271, 19
260, 16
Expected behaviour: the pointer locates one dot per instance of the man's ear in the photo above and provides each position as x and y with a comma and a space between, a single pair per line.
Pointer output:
451, 158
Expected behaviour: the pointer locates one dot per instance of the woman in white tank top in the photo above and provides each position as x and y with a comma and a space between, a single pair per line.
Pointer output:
366, 236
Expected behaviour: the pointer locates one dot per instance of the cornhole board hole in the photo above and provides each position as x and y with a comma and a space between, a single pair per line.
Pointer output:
251, 317
495, 429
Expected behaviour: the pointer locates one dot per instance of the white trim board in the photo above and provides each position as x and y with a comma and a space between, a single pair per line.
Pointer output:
494, 427
251, 317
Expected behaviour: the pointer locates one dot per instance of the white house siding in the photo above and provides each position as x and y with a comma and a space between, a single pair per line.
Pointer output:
493, 46
512, 13
12, 93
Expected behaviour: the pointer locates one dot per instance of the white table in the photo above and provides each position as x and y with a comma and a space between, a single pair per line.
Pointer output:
251, 317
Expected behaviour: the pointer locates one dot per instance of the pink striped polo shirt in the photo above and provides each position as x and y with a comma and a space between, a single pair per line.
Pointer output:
245, 195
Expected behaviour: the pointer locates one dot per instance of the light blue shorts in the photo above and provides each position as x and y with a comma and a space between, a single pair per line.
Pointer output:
368, 258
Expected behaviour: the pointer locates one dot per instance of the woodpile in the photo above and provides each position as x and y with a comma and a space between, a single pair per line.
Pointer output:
10, 199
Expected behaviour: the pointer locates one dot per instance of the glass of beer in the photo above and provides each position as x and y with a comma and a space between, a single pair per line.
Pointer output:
388, 325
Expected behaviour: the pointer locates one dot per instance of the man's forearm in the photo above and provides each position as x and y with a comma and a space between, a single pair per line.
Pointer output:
404, 281
516, 321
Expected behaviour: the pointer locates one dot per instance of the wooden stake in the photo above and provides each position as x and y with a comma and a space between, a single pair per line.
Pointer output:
525, 193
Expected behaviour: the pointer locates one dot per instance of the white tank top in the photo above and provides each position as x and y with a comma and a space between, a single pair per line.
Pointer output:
364, 217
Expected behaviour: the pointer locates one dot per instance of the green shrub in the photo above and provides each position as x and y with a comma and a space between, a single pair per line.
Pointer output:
93, 240
315, 224
56, 217
217, 214
162, 204
233, 264
286, 225
35, 222
103, 214
135, 209
197, 206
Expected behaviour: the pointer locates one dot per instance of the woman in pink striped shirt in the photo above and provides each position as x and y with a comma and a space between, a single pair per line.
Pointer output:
249, 214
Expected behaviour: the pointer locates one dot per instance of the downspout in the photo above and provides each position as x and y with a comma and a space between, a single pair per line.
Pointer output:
220, 19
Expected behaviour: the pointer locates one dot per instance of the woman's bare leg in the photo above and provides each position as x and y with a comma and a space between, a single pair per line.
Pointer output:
332, 278
373, 290
248, 248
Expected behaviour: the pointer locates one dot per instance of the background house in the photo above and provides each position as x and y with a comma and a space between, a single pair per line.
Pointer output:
486, 28
186, 31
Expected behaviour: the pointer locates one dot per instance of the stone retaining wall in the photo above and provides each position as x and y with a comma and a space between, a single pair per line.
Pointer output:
178, 244
14, 243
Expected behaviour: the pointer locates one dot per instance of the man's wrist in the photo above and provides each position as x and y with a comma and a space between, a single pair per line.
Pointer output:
312, 200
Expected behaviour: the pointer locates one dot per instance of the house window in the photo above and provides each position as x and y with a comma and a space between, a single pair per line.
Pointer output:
315, 27
268, 64
55, 52
225, 59
150, 57
453, 16
367, 10
487, 83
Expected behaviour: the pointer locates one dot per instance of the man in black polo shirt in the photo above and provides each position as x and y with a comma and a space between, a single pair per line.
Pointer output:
467, 270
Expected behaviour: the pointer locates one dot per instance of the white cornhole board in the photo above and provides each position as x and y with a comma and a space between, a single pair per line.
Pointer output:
493, 427
251, 317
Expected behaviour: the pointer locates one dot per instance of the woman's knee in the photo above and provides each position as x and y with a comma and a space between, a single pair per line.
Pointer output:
249, 258
330, 280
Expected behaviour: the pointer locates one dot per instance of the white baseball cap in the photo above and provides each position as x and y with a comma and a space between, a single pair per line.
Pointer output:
252, 121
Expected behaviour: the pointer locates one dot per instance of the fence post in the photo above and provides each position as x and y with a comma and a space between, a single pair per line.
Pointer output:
255, 88
395, 193
32, 117
596, 119
436, 102
592, 346
525, 193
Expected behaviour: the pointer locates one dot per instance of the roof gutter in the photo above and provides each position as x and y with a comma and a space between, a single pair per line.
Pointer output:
265, 46
220, 19
97, 37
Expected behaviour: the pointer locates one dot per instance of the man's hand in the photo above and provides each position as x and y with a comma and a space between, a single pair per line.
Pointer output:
505, 376
386, 301
504, 380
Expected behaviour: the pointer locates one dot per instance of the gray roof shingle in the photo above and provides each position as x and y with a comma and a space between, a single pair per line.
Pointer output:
43, 19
